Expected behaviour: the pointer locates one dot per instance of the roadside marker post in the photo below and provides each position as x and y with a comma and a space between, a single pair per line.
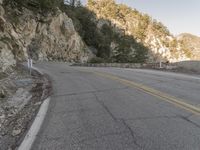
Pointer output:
30, 65
160, 64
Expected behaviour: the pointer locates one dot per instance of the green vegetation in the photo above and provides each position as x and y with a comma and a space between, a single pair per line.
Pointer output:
101, 37
160, 29
137, 23
42, 5
190, 45
185, 49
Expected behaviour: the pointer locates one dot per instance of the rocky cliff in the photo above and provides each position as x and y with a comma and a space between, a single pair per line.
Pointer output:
49, 36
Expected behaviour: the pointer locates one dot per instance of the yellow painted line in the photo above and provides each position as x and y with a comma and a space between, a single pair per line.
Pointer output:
166, 97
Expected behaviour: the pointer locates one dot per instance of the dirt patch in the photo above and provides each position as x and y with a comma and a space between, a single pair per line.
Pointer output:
19, 103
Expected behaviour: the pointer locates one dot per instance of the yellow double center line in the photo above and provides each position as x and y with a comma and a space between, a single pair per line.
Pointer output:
163, 96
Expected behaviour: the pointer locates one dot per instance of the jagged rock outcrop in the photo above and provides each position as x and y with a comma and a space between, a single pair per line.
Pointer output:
46, 37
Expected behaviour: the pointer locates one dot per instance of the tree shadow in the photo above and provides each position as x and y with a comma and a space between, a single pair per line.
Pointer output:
105, 39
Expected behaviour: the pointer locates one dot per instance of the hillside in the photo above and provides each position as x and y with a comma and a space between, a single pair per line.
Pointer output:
107, 44
152, 34
192, 43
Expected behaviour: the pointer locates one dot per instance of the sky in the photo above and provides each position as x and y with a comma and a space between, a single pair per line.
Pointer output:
180, 16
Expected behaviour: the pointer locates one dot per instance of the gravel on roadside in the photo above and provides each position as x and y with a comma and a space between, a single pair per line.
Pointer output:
21, 95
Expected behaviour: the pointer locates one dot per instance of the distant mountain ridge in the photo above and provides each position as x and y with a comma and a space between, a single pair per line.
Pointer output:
189, 35
192, 42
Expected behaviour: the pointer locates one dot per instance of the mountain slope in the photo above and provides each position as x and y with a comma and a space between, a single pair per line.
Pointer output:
142, 27
108, 44
192, 43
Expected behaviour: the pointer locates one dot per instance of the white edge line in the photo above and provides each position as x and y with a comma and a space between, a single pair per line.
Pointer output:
35, 127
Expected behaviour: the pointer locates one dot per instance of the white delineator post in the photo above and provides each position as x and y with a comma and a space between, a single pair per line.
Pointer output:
160, 64
30, 64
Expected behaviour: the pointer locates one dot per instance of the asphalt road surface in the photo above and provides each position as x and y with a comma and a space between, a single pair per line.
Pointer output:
105, 109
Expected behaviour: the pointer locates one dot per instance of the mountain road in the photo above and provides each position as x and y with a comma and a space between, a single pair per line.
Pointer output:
120, 109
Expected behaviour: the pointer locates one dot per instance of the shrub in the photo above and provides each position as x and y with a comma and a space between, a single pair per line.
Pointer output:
97, 60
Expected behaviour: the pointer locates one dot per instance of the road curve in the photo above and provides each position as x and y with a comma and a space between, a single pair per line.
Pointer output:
90, 111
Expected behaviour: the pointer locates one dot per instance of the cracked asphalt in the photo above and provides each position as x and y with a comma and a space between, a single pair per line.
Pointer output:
90, 112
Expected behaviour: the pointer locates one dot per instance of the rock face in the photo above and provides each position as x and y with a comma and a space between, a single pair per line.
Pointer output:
164, 48
6, 56
49, 37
